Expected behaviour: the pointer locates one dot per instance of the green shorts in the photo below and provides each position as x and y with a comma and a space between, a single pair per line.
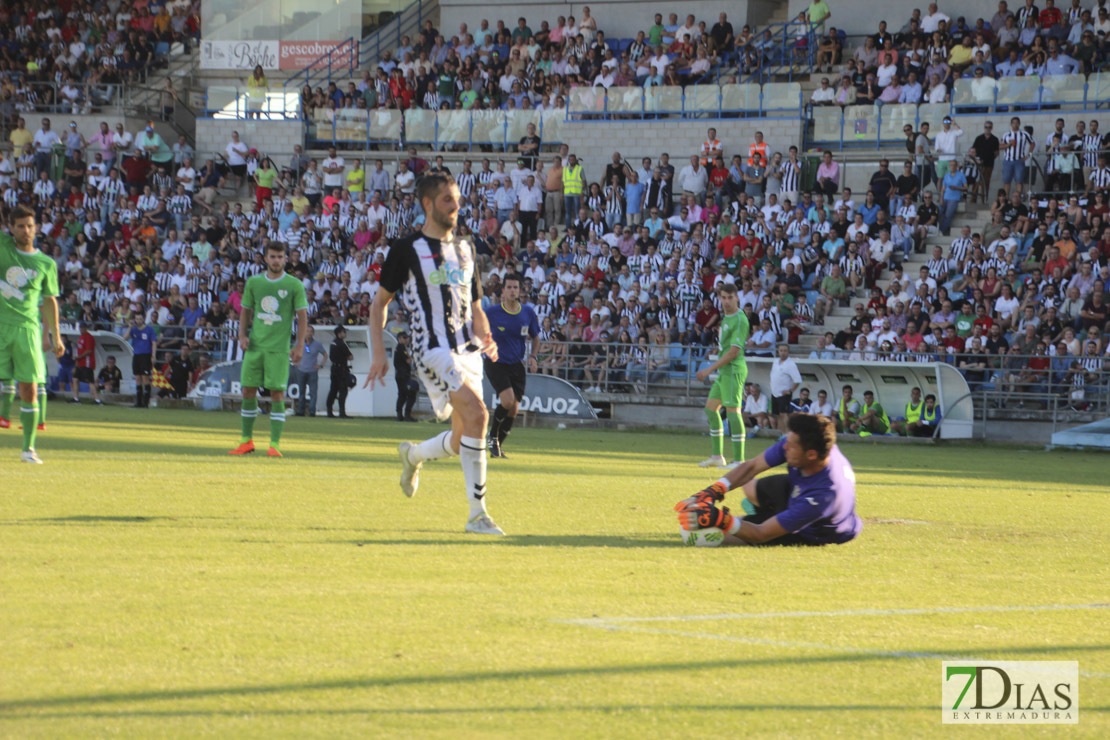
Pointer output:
265, 370
21, 355
728, 388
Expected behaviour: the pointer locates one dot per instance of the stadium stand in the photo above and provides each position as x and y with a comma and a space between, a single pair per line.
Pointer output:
1008, 286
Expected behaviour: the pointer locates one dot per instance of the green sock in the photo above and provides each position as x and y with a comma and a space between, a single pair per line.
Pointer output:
27, 415
247, 414
736, 426
716, 431
277, 422
42, 404
7, 396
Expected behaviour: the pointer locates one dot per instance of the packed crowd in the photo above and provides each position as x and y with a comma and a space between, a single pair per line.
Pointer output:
68, 55
920, 61
622, 271
520, 67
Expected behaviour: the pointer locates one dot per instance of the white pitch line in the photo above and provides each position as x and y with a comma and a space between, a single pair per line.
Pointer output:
600, 621
908, 654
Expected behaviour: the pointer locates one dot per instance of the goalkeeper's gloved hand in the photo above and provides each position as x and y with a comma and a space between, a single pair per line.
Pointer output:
709, 495
705, 517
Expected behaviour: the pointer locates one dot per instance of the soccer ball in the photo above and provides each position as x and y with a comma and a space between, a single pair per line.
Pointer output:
710, 537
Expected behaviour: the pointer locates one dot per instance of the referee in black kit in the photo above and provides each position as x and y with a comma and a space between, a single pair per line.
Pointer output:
511, 324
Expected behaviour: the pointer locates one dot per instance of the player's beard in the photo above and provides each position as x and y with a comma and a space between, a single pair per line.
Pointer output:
446, 220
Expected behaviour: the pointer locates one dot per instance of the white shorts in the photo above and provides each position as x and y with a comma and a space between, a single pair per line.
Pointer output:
444, 372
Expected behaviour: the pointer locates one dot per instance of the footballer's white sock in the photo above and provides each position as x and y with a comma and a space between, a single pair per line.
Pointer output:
431, 449
472, 455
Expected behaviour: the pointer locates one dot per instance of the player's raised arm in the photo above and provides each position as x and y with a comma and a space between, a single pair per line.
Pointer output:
379, 365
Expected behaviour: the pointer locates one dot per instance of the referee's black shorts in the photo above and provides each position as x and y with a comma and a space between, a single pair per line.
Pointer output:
504, 375
780, 404
141, 364
772, 494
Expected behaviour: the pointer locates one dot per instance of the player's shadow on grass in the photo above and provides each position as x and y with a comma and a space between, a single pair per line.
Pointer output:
10, 709
94, 519
527, 540
90, 519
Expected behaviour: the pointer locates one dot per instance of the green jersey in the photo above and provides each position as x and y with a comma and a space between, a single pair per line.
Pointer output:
274, 303
734, 333
25, 278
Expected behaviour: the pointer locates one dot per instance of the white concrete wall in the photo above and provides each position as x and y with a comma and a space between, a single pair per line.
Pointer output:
863, 16
273, 138
617, 18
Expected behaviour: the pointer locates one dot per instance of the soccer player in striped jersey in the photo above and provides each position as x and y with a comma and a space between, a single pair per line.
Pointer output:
434, 275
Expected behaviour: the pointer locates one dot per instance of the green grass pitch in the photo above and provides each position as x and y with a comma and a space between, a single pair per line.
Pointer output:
151, 586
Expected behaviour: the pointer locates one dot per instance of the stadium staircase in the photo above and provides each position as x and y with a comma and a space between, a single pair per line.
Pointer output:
350, 58
786, 61
144, 102
976, 216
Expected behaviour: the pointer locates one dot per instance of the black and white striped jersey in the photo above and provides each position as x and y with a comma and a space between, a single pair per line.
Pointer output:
465, 181
1022, 145
1090, 146
960, 248
789, 171
939, 268
437, 282
1100, 179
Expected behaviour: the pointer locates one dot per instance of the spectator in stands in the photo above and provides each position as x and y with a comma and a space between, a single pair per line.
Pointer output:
828, 175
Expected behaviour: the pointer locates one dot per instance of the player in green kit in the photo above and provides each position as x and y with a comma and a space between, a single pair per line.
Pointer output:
27, 276
265, 324
728, 389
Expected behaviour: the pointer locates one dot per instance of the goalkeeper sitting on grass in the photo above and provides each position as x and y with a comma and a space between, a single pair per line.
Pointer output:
813, 503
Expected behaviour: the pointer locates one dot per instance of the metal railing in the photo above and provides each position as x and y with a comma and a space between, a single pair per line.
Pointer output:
229, 101
782, 49
354, 54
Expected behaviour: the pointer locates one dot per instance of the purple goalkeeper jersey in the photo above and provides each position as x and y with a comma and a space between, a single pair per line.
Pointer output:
822, 506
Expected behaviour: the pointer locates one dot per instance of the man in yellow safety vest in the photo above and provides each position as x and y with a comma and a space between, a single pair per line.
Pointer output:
913, 413
574, 184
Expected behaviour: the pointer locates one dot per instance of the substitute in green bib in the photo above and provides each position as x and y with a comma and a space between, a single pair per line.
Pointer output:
28, 278
270, 301
728, 389
872, 417
913, 413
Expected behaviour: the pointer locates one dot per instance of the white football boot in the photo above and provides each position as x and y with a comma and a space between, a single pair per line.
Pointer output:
410, 473
483, 524
29, 456
715, 461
